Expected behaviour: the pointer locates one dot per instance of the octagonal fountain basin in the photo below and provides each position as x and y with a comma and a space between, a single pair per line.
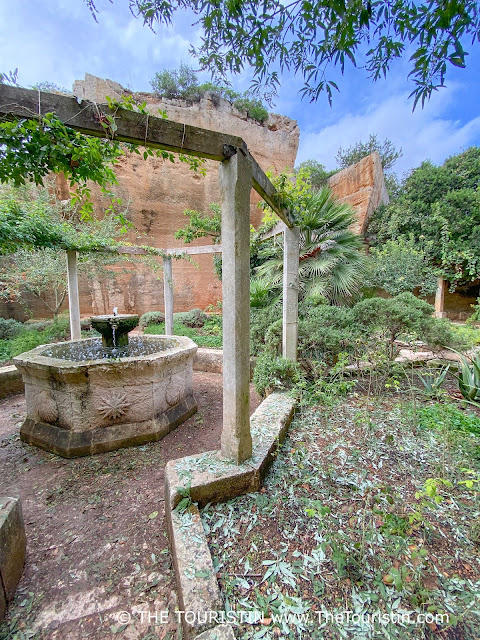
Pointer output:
84, 398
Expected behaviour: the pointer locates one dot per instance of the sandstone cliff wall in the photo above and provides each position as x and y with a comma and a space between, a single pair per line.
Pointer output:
363, 186
158, 193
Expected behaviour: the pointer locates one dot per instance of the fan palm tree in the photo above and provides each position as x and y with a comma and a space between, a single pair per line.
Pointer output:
331, 259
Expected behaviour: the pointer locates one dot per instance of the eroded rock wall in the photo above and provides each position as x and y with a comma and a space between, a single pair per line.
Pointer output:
158, 193
363, 186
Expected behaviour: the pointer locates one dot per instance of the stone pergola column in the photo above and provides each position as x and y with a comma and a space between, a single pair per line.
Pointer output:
168, 294
440, 299
73, 299
291, 242
235, 185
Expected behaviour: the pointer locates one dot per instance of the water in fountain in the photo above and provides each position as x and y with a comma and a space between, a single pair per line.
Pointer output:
114, 342
94, 349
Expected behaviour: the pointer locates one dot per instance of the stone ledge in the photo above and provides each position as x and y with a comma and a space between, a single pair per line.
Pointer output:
197, 586
211, 361
209, 478
10, 381
13, 544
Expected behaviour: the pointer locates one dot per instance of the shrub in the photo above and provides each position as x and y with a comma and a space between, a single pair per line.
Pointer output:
253, 107
195, 318
30, 337
260, 321
385, 320
274, 373
399, 266
179, 329
151, 317
9, 328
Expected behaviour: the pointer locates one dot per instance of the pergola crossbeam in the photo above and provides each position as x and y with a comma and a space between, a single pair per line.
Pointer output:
137, 128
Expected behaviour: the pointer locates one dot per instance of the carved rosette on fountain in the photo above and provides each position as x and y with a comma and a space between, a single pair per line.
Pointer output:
95, 395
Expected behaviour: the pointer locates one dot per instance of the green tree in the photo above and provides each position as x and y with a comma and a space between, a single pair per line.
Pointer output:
355, 152
35, 231
397, 266
439, 209
318, 175
312, 38
177, 83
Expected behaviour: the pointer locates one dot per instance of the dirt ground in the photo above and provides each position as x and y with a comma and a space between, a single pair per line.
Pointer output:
98, 563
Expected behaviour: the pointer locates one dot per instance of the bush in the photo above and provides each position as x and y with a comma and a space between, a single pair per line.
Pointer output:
399, 266
385, 320
9, 328
274, 373
195, 318
260, 321
253, 107
151, 317
30, 338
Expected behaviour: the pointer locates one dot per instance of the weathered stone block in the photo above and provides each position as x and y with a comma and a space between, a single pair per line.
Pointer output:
211, 478
221, 632
10, 381
198, 591
12, 546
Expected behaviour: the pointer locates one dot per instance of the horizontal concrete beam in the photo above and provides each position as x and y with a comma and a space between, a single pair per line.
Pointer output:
192, 251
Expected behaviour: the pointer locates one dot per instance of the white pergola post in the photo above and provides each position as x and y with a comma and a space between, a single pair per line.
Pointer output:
291, 241
440, 299
235, 186
73, 299
168, 294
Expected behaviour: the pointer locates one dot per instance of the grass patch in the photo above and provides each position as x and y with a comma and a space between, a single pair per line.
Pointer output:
210, 335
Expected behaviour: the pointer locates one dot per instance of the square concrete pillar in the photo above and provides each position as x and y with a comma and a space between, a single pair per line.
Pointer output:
168, 294
235, 187
73, 299
12, 548
291, 243
440, 299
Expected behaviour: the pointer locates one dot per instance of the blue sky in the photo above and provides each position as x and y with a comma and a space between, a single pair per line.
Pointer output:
57, 40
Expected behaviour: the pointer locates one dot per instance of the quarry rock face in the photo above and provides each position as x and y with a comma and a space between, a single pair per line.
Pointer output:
363, 187
158, 192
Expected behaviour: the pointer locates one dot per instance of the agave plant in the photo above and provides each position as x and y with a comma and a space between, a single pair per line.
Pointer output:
332, 260
469, 377
432, 383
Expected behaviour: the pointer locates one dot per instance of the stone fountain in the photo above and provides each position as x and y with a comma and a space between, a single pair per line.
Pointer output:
95, 395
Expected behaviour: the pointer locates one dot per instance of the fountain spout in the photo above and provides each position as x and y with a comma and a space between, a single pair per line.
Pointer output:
115, 328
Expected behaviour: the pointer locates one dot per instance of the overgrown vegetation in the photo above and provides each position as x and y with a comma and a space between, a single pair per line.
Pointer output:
182, 83
360, 514
438, 210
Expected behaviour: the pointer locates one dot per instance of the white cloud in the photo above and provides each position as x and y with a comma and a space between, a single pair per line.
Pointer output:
423, 134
